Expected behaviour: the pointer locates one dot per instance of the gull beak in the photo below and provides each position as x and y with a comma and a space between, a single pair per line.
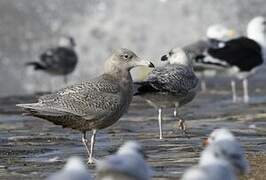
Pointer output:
141, 62
231, 33
205, 142
164, 58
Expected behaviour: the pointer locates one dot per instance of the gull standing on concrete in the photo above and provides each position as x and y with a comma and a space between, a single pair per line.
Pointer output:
127, 164
225, 144
61, 60
94, 104
172, 85
74, 169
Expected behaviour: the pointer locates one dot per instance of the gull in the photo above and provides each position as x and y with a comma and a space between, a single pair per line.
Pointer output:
225, 144
239, 57
127, 164
172, 85
94, 104
61, 60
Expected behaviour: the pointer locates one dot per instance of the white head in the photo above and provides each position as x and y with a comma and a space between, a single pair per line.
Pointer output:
256, 30
220, 32
131, 147
67, 41
74, 163
74, 169
177, 56
220, 134
225, 150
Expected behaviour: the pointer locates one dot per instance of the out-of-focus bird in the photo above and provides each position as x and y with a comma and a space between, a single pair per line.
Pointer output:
127, 164
239, 57
61, 60
74, 169
94, 104
172, 85
225, 145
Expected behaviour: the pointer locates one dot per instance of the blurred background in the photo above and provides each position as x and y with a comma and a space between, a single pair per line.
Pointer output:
150, 28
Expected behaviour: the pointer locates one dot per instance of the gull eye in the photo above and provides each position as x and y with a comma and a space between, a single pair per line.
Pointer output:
171, 53
125, 56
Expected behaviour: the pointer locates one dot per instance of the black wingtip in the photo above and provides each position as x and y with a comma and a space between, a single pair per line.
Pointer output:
164, 58
151, 65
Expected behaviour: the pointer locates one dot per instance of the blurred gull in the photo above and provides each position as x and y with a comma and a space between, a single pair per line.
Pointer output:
127, 164
224, 143
214, 169
74, 169
60, 60
239, 57
172, 85
94, 104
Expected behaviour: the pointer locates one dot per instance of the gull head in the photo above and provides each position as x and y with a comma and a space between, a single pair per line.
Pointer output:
220, 32
256, 30
132, 147
67, 41
177, 56
125, 59
219, 134
226, 151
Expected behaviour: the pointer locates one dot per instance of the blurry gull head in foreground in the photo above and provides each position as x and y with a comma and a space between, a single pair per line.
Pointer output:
224, 145
127, 164
74, 169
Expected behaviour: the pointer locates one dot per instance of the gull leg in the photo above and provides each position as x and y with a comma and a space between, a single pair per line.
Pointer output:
245, 89
160, 122
182, 126
85, 142
233, 85
65, 79
91, 159
203, 85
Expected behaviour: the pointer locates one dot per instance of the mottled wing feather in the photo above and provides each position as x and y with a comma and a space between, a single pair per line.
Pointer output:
91, 99
173, 78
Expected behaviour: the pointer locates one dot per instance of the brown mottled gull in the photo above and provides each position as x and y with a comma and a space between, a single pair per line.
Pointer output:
172, 85
93, 104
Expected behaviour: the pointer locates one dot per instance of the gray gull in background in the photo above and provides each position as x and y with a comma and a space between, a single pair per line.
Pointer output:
74, 169
240, 57
225, 144
94, 104
61, 60
127, 164
172, 85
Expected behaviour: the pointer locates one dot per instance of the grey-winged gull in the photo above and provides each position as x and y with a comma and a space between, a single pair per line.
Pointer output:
127, 164
212, 166
240, 57
172, 85
225, 143
61, 60
74, 169
94, 104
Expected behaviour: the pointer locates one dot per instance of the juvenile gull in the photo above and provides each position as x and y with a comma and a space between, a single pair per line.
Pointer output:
127, 164
240, 57
172, 85
60, 60
74, 169
94, 104
224, 143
